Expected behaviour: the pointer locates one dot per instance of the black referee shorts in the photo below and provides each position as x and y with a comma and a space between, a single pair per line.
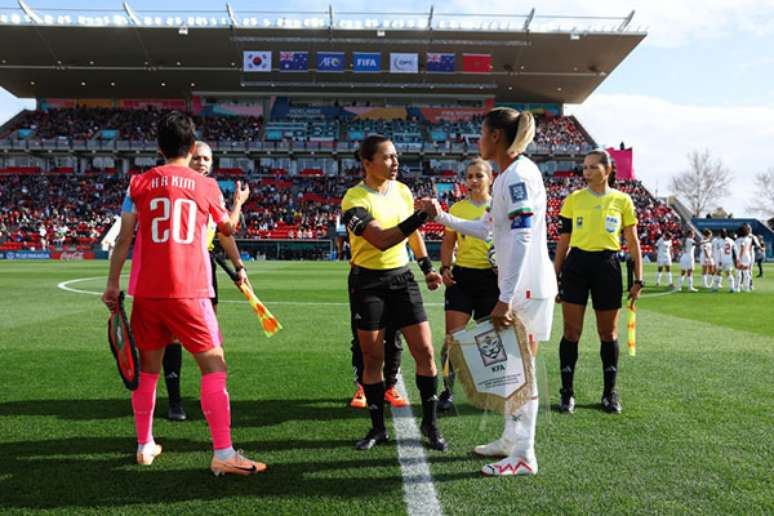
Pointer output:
381, 297
214, 268
474, 292
598, 272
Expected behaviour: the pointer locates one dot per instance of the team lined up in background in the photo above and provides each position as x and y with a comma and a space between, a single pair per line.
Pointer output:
722, 255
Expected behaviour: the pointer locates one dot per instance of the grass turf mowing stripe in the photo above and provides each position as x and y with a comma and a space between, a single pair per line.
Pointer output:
419, 492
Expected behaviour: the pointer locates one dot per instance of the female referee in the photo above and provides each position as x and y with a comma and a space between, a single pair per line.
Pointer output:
471, 285
525, 277
379, 215
592, 220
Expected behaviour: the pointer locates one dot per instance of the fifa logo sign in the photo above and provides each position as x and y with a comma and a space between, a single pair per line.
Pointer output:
491, 348
365, 62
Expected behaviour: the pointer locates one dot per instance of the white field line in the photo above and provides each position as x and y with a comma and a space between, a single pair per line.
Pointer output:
418, 489
65, 285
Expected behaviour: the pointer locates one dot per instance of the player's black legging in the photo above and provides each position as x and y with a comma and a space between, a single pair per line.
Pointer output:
392, 355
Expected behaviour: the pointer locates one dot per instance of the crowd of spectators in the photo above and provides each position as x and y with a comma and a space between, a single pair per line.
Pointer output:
62, 211
41, 211
128, 124
139, 125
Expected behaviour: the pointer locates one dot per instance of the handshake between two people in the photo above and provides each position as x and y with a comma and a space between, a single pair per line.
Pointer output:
428, 205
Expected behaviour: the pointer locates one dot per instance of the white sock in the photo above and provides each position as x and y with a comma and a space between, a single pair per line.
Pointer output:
731, 283
718, 281
747, 275
147, 447
680, 282
706, 280
658, 279
521, 428
739, 278
225, 453
669, 277
690, 282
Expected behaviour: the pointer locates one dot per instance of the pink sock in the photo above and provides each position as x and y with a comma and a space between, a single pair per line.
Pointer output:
143, 403
217, 409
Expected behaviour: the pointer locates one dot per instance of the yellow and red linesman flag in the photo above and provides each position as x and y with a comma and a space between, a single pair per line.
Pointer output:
631, 327
269, 323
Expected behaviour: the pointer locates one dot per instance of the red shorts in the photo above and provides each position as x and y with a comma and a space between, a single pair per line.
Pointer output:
157, 322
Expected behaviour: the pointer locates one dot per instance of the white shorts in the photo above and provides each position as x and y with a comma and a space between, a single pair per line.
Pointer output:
664, 261
537, 315
726, 266
745, 262
686, 263
708, 262
716, 258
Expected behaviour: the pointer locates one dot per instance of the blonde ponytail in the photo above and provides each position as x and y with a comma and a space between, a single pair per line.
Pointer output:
525, 133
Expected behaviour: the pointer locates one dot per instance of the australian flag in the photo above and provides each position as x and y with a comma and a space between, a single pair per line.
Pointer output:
294, 61
437, 62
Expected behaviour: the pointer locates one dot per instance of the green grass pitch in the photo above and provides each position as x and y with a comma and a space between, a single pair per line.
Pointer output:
696, 434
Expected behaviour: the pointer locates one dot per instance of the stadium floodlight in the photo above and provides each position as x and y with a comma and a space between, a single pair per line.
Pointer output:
30, 13
231, 16
130, 13
528, 21
626, 22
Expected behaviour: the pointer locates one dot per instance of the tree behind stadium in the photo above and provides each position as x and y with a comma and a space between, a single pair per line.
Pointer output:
706, 180
764, 188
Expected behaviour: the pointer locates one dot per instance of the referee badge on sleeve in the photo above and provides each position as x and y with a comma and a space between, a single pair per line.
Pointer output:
518, 192
611, 223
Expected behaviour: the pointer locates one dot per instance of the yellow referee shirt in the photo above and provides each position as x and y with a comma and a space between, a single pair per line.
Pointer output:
597, 220
212, 230
388, 209
471, 251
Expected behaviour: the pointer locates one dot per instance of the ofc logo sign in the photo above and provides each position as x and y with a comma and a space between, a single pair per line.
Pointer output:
367, 62
491, 348
404, 63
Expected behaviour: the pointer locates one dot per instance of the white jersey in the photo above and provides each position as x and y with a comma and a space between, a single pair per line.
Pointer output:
517, 222
689, 248
717, 248
744, 250
664, 249
727, 251
706, 251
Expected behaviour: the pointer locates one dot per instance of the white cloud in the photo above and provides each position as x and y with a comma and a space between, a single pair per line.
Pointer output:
663, 132
670, 23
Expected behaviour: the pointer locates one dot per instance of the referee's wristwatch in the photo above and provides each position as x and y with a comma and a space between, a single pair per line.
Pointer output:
639, 283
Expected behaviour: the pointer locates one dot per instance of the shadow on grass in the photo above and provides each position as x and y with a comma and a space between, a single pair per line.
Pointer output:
98, 472
244, 413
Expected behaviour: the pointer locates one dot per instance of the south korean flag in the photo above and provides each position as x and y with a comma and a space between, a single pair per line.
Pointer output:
256, 61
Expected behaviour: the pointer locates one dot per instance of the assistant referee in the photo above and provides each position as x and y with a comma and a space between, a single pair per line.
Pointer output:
592, 220
379, 215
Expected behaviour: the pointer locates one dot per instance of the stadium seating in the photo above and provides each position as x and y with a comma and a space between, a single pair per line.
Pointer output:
68, 210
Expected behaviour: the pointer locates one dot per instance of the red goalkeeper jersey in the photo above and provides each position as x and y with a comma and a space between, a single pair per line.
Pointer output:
173, 205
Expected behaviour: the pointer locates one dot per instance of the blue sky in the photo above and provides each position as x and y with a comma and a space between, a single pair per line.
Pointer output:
704, 77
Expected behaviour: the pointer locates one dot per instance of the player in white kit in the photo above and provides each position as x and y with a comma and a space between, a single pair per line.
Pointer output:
726, 263
707, 259
717, 251
686, 262
525, 276
744, 259
664, 258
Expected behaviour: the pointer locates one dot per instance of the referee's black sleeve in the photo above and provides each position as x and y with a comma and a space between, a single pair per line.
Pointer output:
566, 225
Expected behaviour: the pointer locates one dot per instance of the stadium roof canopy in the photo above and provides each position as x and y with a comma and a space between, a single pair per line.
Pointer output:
110, 53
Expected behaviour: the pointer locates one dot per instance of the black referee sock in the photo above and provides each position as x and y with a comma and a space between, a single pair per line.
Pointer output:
173, 360
374, 394
608, 352
428, 386
568, 357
